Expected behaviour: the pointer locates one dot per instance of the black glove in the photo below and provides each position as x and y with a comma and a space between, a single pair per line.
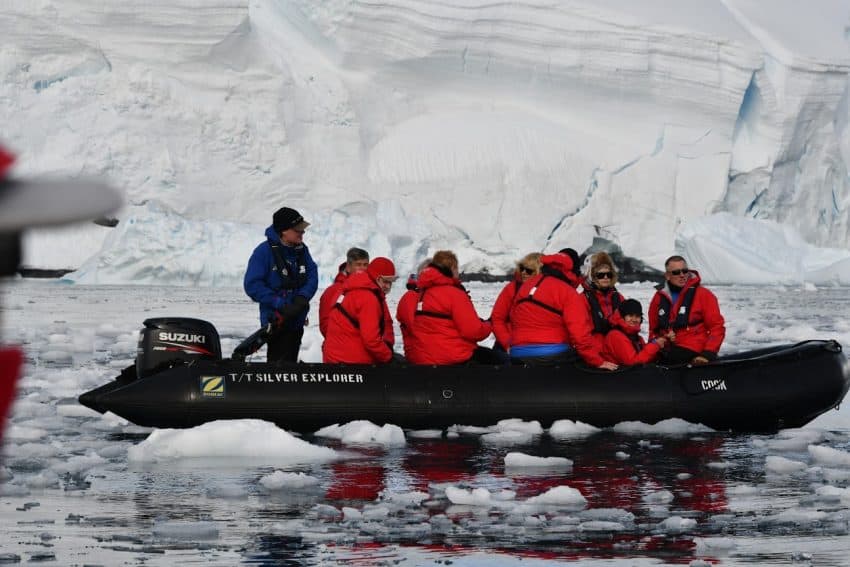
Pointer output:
711, 356
295, 309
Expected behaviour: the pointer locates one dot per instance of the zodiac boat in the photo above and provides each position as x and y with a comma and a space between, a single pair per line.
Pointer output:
180, 379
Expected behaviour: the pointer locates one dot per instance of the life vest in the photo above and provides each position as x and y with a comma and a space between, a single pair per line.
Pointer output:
534, 301
682, 316
354, 322
290, 281
420, 311
600, 321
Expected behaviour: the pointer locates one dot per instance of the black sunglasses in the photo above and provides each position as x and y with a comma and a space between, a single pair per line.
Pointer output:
603, 275
682, 272
526, 270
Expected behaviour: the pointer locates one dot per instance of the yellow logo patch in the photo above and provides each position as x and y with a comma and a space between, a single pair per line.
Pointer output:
212, 386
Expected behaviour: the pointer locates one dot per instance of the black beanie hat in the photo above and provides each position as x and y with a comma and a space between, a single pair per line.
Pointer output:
630, 307
574, 257
285, 218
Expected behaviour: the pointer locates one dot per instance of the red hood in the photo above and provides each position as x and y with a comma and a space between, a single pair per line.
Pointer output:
564, 265
360, 280
431, 277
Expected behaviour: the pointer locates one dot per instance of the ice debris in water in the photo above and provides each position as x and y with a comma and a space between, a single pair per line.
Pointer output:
364, 432
279, 480
658, 497
676, 525
829, 456
560, 496
673, 426
782, 466
477, 496
521, 460
174, 529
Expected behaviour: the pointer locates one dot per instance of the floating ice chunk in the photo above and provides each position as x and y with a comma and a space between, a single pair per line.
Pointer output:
468, 430
185, 530
829, 456
720, 465
560, 496
351, 514
797, 516
245, 438
658, 497
426, 434
79, 464
683, 476
56, 358
113, 451
44, 479
364, 432
477, 496
230, 490
521, 460
783, 466
515, 424
568, 429
743, 490
23, 433
622, 456
5, 474
406, 498
842, 494
108, 331
601, 526
9, 489
796, 439
673, 426
676, 525
507, 438
711, 545
279, 480
373, 513
607, 515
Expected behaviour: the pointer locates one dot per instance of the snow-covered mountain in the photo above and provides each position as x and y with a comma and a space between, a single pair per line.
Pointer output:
409, 125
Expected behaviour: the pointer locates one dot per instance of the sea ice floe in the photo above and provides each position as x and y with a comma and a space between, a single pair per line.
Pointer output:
477, 496
676, 525
560, 496
601, 526
279, 480
569, 429
658, 497
79, 464
782, 466
364, 432
521, 460
185, 530
829, 456
425, 434
673, 426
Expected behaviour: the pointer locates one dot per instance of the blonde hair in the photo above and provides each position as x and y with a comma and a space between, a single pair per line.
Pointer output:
602, 259
531, 260
445, 259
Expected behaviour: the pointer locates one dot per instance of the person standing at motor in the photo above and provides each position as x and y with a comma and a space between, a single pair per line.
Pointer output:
356, 331
686, 313
549, 323
282, 277
356, 260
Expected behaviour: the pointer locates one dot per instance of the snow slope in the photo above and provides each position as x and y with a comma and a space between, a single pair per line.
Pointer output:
410, 125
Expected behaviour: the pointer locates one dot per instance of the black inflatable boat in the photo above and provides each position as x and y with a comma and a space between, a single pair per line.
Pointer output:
181, 380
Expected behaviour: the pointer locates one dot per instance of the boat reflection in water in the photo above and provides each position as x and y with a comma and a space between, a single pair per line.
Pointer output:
646, 497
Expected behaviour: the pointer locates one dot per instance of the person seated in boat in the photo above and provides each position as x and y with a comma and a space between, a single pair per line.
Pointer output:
574, 277
282, 277
356, 260
687, 313
601, 296
549, 323
623, 344
526, 268
356, 331
445, 323
406, 311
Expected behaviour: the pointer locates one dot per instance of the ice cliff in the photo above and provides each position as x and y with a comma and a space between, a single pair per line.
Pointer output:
411, 125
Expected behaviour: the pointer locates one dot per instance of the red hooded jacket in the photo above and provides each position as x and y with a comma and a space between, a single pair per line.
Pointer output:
446, 325
365, 342
500, 317
608, 300
326, 302
404, 314
534, 324
619, 347
706, 327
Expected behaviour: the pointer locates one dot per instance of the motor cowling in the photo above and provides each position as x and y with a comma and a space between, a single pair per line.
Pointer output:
165, 341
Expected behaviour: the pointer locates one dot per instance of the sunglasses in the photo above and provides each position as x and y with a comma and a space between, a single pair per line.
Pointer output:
682, 272
603, 275
526, 270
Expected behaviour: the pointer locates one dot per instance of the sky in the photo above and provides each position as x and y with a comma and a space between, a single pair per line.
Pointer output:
410, 126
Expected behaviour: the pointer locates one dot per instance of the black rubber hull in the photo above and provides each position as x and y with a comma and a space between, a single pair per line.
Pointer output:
758, 391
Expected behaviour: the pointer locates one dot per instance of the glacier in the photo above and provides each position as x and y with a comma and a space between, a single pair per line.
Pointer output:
405, 126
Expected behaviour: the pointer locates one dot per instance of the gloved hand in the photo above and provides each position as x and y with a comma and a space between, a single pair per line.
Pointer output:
295, 309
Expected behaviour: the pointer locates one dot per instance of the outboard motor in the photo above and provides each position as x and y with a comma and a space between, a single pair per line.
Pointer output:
166, 340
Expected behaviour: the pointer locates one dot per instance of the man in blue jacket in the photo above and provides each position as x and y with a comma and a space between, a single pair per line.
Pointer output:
282, 277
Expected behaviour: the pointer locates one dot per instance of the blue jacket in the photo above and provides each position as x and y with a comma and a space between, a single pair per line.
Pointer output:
265, 285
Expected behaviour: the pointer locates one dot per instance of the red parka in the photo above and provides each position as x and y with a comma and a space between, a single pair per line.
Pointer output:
534, 324
326, 302
619, 344
365, 342
446, 326
705, 328
500, 317
608, 301
404, 315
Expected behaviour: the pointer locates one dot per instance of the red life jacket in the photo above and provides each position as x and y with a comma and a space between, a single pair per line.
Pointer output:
357, 324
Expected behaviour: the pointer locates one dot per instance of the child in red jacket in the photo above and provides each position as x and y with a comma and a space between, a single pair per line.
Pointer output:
623, 344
